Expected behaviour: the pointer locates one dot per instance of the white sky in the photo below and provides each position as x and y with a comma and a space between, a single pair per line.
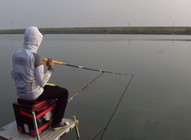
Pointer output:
91, 13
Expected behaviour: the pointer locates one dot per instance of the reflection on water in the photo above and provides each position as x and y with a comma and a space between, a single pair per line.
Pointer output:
157, 103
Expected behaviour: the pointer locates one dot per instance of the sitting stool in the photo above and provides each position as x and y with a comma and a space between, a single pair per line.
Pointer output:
32, 117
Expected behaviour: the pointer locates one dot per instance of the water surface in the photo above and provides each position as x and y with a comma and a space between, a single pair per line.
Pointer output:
157, 103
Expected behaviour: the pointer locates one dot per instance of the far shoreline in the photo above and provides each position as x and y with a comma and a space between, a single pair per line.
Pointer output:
163, 30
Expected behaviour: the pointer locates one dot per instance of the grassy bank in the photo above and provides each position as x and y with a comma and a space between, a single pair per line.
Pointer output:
109, 30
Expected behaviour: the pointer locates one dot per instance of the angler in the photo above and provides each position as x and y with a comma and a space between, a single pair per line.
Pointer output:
30, 78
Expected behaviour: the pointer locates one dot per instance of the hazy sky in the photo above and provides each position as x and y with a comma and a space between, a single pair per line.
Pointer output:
91, 13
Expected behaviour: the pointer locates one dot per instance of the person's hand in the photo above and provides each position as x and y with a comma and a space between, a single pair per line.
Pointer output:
50, 63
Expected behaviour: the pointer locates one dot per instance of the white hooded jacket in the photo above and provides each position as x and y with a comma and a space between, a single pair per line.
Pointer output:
27, 69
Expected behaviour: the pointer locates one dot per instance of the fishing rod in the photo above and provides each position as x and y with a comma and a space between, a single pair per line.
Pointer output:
86, 86
82, 67
82, 89
86, 68
102, 132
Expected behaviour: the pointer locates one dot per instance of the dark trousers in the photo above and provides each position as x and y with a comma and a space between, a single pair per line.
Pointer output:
61, 96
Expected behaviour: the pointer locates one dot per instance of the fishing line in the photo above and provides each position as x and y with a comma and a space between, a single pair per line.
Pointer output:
112, 115
85, 68
86, 86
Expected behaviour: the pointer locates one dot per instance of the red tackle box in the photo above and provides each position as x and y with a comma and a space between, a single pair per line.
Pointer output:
25, 120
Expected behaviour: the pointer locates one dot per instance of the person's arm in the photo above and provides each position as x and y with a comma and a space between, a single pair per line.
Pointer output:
41, 77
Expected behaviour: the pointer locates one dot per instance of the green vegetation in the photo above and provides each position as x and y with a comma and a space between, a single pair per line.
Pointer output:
108, 30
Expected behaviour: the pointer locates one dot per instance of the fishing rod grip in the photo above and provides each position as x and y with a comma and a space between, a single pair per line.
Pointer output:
50, 84
54, 61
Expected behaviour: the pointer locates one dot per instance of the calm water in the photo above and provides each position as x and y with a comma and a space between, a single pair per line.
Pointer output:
156, 106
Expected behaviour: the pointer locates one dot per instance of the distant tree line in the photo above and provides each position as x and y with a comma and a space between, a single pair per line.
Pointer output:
108, 30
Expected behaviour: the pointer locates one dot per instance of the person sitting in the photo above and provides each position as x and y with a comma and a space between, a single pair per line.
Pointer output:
30, 78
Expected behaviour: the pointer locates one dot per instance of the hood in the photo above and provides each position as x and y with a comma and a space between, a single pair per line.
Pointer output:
32, 39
